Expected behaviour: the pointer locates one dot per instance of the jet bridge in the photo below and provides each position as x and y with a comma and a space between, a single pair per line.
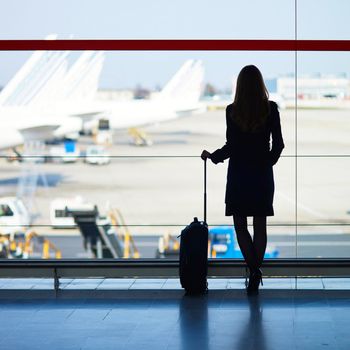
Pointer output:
100, 237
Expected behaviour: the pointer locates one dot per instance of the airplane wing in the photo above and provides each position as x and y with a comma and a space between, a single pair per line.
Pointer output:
12, 137
40, 132
89, 115
194, 109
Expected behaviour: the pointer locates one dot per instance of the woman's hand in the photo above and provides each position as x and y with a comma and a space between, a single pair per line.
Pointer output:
205, 155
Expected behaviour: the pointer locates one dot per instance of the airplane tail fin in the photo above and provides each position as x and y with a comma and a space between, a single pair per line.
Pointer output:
185, 87
81, 81
31, 79
49, 84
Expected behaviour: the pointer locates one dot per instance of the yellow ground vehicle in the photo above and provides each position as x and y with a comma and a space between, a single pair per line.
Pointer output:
21, 246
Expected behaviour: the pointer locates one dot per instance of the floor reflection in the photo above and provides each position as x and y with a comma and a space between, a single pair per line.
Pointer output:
253, 331
194, 328
219, 326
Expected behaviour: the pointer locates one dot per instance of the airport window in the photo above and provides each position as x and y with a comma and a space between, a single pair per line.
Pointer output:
127, 162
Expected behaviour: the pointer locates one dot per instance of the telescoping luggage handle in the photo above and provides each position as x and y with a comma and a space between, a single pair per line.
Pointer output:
205, 190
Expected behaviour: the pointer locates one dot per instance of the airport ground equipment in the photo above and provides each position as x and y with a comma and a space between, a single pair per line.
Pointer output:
168, 247
102, 133
100, 234
21, 246
30, 237
71, 152
14, 215
99, 237
68, 152
59, 217
4, 247
117, 219
222, 244
140, 138
97, 155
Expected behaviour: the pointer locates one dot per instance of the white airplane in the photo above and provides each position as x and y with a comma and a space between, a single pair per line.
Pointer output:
46, 100
21, 122
180, 96
76, 94
34, 105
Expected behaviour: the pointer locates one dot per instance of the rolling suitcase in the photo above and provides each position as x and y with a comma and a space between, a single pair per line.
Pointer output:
193, 264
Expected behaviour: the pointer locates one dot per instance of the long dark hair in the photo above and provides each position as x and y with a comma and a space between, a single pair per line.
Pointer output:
251, 103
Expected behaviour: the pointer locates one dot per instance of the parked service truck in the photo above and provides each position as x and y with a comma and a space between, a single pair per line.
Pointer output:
14, 216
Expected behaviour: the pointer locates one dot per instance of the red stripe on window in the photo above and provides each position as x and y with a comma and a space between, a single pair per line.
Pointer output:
177, 45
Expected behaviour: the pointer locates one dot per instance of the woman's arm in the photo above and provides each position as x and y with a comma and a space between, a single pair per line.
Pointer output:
225, 151
277, 139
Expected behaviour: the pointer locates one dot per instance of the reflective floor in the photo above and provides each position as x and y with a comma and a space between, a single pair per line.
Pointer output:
147, 317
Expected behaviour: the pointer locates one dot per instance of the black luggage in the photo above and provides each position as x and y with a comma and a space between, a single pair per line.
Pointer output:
193, 266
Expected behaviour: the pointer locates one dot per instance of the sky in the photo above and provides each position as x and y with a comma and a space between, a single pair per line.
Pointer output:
182, 19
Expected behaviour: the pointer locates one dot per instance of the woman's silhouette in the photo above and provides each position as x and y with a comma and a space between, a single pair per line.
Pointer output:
250, 121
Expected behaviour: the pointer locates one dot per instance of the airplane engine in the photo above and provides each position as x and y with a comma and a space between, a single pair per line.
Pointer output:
71, 126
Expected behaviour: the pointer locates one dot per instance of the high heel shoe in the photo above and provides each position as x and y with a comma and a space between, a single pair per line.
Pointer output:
255, 279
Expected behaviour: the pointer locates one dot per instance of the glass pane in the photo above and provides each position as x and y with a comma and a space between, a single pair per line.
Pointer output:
323, 103
323, 146
323, 188
323, 19
323, 192
157, 195
323, 241
152, 19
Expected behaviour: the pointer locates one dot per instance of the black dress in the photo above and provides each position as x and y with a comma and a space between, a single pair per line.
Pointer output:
250, 184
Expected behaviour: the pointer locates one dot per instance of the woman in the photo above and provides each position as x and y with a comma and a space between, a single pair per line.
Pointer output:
250, 121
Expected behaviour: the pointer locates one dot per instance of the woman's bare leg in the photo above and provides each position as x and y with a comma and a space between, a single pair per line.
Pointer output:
245, 241
260, 238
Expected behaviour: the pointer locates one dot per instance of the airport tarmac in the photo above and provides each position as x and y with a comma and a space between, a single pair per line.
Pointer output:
162, 185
